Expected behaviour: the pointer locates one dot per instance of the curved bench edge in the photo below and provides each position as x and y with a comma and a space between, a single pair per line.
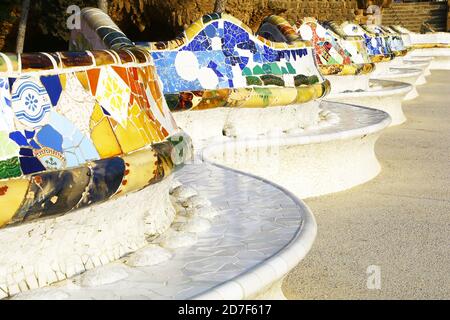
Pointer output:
249, 284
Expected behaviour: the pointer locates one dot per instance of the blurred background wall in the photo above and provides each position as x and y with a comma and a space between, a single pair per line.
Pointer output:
164, 19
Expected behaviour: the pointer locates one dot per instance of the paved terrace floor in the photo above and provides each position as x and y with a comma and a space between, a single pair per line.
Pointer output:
399, 221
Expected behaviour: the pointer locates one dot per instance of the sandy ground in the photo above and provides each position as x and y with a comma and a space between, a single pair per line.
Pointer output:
398, 222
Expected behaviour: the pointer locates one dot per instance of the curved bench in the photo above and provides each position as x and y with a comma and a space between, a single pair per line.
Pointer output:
404, 61
379, 42
393, 42
81, 133
249, 248
376, 45
330, 56
219, 64
88, 251
353, 42
409, 75
364, 126
245, 254
332, 59
330, 159
435, 44
387, 96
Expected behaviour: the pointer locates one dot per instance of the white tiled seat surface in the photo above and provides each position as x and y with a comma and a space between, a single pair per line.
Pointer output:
256, 221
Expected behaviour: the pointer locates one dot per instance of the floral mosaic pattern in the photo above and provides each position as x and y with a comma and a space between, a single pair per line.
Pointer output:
72, 126
30, 101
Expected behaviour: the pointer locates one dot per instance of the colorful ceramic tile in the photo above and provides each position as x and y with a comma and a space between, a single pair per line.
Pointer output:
30, 102
10, 168
29, 163
93, 75
77, 103
76, 147
222, 54
53, 193
12, 194
6, 112
140, 169
113, 94
36, 61
102, 134
77, 59
107, 177
53, 87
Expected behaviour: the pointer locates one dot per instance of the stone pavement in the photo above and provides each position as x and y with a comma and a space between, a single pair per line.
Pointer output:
399, 221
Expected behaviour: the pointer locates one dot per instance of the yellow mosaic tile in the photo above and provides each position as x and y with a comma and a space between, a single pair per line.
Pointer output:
102, 134
141, 167
12, 194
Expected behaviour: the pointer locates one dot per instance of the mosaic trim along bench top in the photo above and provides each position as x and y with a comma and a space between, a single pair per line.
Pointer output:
377, 46
355, 46
80, 128
331, 57
219, 62
436, 40
393, 41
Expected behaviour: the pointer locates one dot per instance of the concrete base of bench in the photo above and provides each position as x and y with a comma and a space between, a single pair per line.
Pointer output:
383, 95
386, 67
43, 252
236, 122
406, 75
441, 57
417, 62
340, 84
322, 161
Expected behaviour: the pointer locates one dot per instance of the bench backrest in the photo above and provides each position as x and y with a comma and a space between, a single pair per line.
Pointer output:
376, 45
331, 57
218, 61
393, 41
78, 128
354, 45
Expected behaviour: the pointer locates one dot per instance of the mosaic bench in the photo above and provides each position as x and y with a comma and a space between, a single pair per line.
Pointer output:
330, 56
396, 72
247, 250
391, 41
333, 158
392, 67
217, 63
333, 60
378, 44
244, 254
81, 133
357, 87
436, 45
410, 60
395, 42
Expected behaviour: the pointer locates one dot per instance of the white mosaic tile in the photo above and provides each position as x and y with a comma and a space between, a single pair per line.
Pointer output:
245, 234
